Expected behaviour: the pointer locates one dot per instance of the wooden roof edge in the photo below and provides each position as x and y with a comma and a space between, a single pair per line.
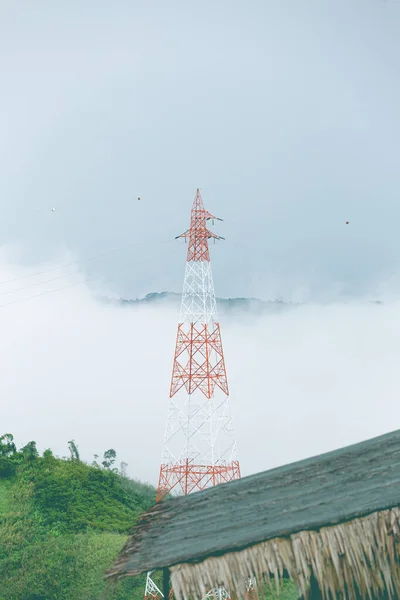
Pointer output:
132, 545
136, 535
151, 521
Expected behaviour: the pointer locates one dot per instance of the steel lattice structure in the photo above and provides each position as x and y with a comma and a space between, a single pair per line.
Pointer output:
199, 446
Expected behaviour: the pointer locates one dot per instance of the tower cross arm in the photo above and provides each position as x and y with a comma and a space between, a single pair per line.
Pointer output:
206, 233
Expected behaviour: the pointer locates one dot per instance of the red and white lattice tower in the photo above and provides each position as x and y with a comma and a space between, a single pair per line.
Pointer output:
199, 447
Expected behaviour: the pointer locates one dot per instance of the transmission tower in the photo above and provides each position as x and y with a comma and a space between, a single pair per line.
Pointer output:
199, 446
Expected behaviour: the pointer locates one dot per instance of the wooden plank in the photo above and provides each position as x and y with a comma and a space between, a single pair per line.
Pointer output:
327, 489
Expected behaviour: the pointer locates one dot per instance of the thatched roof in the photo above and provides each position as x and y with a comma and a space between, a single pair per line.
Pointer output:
334, 516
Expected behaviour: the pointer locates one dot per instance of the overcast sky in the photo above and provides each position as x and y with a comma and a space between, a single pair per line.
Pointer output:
284, 112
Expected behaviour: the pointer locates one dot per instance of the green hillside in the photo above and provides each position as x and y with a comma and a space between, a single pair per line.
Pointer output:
62, 523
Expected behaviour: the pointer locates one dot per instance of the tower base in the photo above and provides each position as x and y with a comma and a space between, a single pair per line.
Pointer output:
189, 477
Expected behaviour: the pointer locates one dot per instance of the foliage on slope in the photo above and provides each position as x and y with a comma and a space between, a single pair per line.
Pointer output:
63, 522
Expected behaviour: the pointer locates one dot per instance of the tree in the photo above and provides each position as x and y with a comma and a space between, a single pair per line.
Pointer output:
29, 451
109, 457
7, 446
73, 448
48, 455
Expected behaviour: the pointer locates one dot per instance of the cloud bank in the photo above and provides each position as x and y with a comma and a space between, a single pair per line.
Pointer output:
303, 381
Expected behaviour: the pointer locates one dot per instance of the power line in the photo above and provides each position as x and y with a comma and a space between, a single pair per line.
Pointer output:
26, 287
49, 291
65, 265
45, 292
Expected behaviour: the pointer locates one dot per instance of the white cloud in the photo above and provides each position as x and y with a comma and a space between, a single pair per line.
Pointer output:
313, 379
304, 381
75, 368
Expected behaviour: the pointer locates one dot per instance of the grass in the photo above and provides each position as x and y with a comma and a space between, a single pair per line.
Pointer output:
5, 487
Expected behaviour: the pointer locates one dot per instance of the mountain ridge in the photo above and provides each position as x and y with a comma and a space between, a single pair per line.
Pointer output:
254, 306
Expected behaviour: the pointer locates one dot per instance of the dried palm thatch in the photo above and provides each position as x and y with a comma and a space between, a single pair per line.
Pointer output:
334, 518
353, 559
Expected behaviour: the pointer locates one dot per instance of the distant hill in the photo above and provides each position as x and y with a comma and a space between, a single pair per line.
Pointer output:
225, 305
